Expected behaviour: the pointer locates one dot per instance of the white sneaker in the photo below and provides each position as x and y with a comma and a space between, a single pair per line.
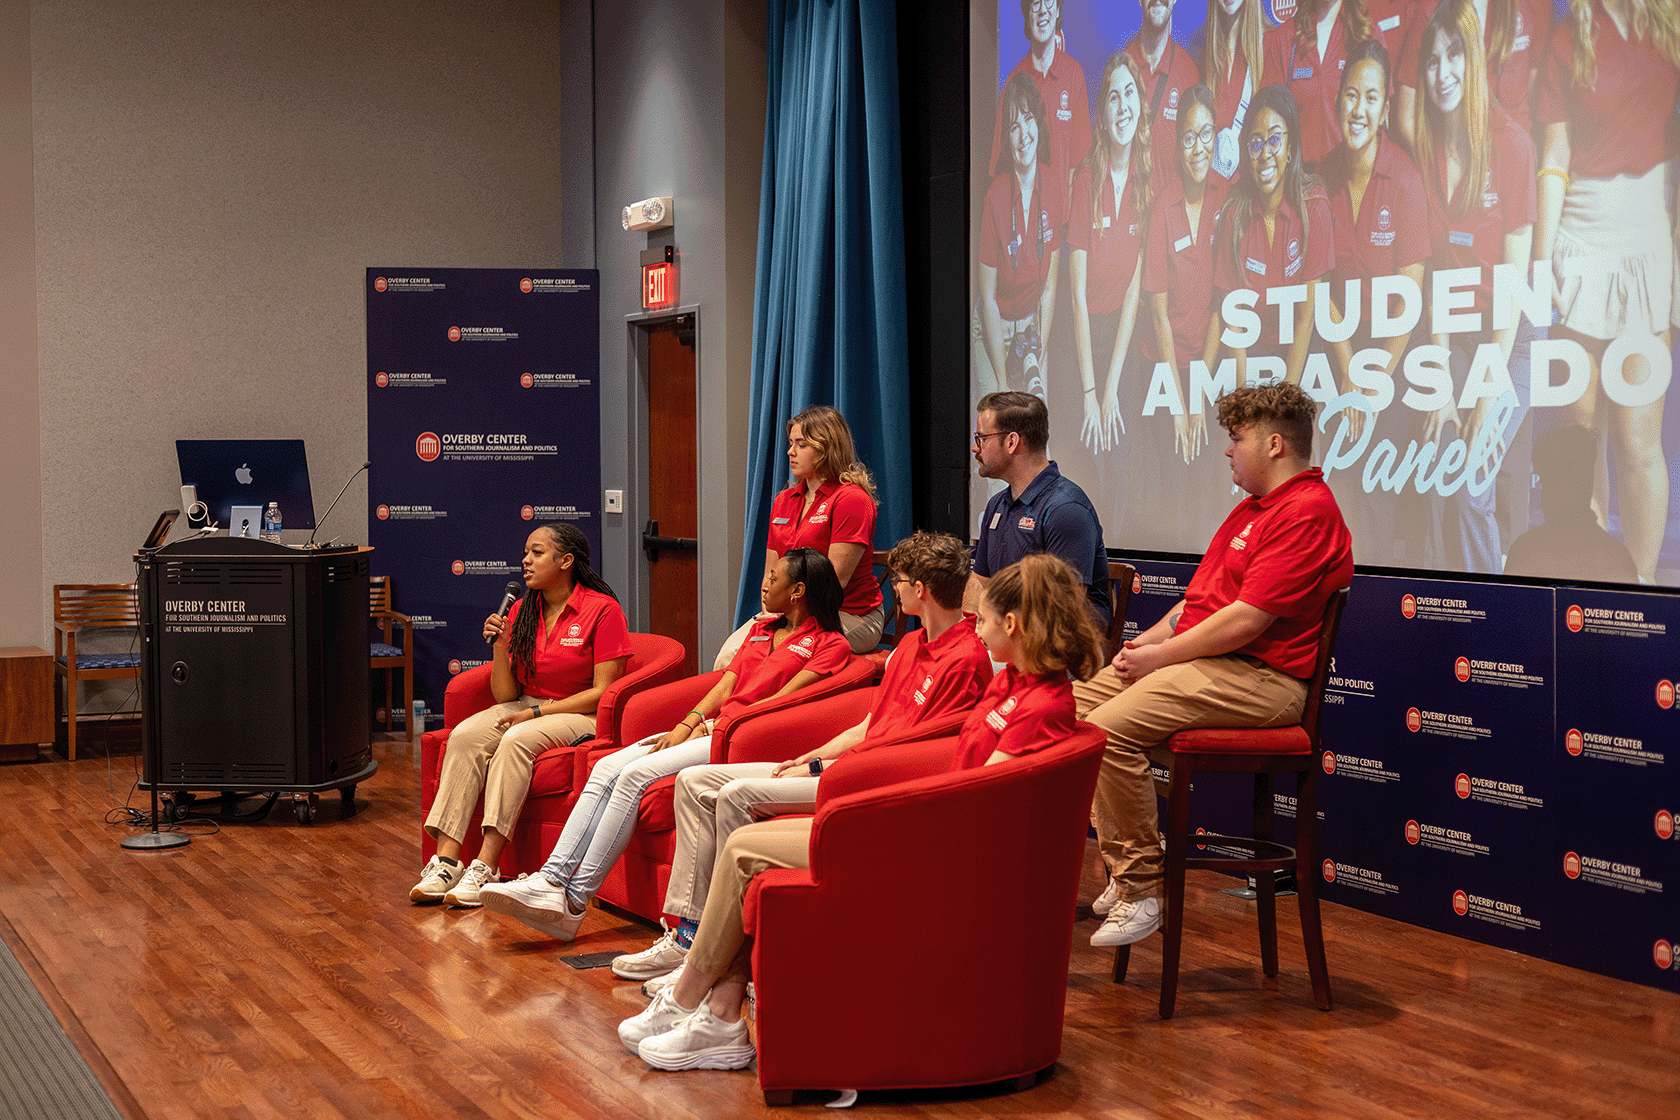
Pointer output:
700, 1041
536, 902
660, 983
656, 1018
436, 879
657, 959
1128, 922
1105, 901
465, 893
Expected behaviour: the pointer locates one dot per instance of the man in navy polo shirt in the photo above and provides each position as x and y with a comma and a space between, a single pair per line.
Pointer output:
1040, 511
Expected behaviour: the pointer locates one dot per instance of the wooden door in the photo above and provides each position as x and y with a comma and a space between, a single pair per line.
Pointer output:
673, 486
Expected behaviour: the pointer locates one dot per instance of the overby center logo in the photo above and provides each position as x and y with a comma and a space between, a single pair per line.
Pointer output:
458, 567
1329, 871
1461, 903
1137, 583
1413, 832
379, 284
1662, 955
1408, 605
525, 284
1461, 786
383, 512
454, 667
454, 334
1414, 719
1664, 824
1571, 865
1574, 618
1201, 832
1572, 742
527, 512
1665, 694
526, 381
381, 379
428, 446
1329, 762
1461, 668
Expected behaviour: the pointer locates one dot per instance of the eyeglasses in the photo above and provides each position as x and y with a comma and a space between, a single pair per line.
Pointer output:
1191, 139
1273, 144
895, 579
980, 438
1044, 5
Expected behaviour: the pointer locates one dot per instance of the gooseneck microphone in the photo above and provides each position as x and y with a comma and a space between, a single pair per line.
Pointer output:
509, 593
319, 521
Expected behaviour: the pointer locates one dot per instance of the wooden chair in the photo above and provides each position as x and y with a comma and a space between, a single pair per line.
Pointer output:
1120, 579
1264, 753
90, 606
386, 655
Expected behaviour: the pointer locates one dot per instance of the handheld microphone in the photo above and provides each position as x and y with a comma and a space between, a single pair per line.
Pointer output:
509, 593
320, 520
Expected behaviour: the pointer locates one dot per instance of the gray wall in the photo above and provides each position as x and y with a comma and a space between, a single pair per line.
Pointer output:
679, 110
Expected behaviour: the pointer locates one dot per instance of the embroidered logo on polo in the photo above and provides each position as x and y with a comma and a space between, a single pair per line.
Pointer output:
920, 695
1292, 257
574, 636
803, 648
821, 516
1027, 524
1490, 197
1064, 113
1240, 541
998, 718
1383, 235
1520, 41
1170, 113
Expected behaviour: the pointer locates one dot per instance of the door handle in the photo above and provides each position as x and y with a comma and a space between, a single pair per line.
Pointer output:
652, 542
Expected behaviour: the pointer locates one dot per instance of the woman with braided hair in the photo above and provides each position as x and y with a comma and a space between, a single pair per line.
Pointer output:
558, 650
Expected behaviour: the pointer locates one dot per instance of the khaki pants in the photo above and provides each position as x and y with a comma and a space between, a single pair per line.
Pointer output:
481, 758
1230, 691
720, 947
711, 803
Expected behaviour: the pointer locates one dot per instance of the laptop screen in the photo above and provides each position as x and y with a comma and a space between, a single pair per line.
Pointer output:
249, 472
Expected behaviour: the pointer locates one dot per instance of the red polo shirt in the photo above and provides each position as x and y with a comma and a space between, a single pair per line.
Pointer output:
841, 513
590, 629
1296, 255
1229, 98
1508, 203
1179, 262
1161, 92
925, 680
1394, 18
1110, 246
1509, 82
1316, 82
1618, 126
1392, 228
1067, 107
1019, 713
760, 672
1283, 553
1019, 249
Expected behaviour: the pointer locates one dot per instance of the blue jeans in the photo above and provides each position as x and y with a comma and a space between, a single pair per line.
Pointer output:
599, 828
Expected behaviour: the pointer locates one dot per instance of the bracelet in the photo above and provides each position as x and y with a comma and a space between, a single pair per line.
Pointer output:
695, 712
1564, 175
1092, 389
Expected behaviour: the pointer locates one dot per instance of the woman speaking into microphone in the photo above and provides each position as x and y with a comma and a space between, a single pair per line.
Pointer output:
554, 655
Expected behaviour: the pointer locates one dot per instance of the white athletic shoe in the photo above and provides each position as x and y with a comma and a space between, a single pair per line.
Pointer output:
664, 955
436, 879
465, 893
660, 983
656, 1018
536, 902
1105, 901
700, 1041
1128, 923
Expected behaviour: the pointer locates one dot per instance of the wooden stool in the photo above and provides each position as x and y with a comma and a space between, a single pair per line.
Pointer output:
1265, 753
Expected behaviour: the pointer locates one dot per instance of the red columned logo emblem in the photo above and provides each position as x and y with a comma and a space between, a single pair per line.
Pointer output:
381, 379
379, 714
1329, 762
1413, 832
527, 512
1574, 618
383, 512
454, 334
1282, 10
526, 381
1461, 903
525, 284
1461, 786
379, 284
1137, 582
1662, 955
458, 568
1571, 865
454, 667
1201, 832
1461, 668
1665, 694
1414, 719
1408, 605
1329, 871
1664, 824
428, 446
1572, 742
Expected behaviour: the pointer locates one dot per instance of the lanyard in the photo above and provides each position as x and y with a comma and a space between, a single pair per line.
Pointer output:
1161, 82
1014, 222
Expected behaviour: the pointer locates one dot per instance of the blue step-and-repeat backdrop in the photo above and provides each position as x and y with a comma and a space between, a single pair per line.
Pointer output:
483, 423
1495, 766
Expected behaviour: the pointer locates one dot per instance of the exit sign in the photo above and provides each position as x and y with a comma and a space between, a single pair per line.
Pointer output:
659, 284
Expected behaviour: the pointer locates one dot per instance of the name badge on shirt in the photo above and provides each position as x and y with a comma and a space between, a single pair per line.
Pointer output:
1257, 267
778, 521
759, 638
1389, 24
1302, 73
996, 517
1106, 221
1181, 244
1459, 237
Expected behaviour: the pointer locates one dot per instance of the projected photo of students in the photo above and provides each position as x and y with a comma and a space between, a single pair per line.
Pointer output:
1479, 168
1065, 131
1606, 107
1111, 190
1020, 249
1229, 46
1307, 55
1514, 34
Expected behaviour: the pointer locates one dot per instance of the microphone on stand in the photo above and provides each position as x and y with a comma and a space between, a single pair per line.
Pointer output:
509, 593
320, 520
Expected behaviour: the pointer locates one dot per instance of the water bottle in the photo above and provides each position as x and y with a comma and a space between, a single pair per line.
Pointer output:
419, 716
271, 523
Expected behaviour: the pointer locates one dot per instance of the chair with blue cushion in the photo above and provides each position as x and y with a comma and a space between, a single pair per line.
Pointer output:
80, 607
385, 654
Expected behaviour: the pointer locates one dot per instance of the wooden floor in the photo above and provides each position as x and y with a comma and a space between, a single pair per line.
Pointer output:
278, 970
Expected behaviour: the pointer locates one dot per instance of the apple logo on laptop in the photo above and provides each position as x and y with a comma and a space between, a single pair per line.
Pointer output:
243, 474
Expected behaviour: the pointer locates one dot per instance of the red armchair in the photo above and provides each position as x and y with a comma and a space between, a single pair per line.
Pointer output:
881, 1012
637, 882
654, 660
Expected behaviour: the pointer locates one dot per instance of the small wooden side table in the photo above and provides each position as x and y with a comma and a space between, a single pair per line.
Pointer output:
26, 702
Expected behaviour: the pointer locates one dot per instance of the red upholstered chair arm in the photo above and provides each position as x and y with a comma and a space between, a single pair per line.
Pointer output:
856, 674
657, 660
776, 879
785, 731
468, 693
649, 711
859, 771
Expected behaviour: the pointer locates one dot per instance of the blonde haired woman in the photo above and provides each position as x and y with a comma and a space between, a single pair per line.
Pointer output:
1231, 63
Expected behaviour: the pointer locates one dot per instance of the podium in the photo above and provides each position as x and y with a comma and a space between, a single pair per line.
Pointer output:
254, 669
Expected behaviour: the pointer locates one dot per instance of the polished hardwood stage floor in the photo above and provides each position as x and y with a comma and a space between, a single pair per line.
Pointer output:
278, 970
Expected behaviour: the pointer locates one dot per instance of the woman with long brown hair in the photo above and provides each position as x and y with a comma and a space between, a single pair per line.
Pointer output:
1514, 34
1231, 62
1306, 55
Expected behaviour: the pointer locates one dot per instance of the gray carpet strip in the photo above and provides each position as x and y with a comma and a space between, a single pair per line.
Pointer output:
42, 1077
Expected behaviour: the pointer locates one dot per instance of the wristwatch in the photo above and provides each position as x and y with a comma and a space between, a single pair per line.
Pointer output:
816, 767
536, 711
